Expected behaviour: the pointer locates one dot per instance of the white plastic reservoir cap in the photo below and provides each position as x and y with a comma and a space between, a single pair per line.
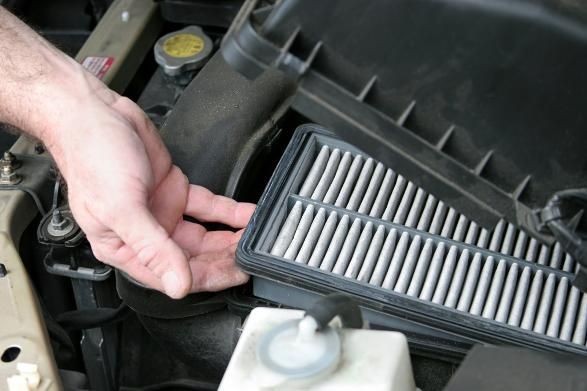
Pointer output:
296, 350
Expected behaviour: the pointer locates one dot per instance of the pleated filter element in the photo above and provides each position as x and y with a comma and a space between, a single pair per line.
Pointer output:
335, 219
433, 270
359, 183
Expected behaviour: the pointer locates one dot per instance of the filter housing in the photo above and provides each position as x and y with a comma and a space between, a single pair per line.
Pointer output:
333, 219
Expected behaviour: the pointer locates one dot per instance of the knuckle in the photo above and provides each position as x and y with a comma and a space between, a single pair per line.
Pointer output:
99, 254
125, 102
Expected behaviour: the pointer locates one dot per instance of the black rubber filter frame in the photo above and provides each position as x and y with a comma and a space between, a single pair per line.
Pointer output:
479, 102
431, 328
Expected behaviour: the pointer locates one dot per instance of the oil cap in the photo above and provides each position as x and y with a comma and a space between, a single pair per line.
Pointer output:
182, 51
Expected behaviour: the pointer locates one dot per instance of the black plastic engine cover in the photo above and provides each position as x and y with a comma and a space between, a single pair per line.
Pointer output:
481, 102
489, 368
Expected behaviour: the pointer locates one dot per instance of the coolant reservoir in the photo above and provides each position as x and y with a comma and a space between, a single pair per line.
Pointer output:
282, 350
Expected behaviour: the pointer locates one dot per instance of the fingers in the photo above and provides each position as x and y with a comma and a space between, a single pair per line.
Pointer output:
154, 250
212, 269
169, 199
213, 272
110, 249
196, 240
206, 206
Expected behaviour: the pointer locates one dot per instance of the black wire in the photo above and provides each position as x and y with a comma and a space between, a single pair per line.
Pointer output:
578, 194
570, 240
336, 304
56, 188
55, 330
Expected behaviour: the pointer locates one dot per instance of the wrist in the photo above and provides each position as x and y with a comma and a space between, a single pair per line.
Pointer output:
71, 116
65, 103
54, 97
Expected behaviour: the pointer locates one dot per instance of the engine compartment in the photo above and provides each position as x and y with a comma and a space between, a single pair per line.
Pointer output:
230, 130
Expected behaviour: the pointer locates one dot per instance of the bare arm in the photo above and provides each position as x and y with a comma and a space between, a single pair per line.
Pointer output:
32, 71
123, 189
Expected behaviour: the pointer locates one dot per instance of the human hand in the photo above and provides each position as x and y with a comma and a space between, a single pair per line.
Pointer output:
130, 201
123, 190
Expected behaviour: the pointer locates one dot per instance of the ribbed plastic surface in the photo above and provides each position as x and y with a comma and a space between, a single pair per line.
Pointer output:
339, 222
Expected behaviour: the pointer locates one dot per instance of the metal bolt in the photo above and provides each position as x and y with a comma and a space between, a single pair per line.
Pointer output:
57, 219
3, 271
9, 157
8, 176
60, 225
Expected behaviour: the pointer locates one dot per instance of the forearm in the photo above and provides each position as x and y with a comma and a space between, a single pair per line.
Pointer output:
35, 79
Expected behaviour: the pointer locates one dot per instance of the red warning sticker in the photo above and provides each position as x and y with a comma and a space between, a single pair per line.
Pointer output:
98, 66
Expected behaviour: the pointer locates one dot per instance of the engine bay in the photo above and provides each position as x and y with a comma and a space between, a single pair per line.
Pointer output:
421, 171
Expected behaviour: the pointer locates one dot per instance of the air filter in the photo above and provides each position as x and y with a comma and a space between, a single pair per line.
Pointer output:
333, 219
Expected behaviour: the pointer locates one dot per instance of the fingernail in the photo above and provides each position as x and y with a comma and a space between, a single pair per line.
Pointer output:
171, 285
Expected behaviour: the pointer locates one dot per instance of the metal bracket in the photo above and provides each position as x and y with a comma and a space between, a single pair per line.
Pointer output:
34, 177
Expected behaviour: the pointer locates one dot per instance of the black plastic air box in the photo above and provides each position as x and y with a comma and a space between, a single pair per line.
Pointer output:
333, 219
480, 102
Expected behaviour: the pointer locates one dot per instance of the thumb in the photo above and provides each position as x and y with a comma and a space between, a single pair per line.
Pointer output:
154, 250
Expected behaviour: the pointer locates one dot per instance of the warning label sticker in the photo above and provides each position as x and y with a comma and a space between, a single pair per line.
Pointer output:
98, 66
